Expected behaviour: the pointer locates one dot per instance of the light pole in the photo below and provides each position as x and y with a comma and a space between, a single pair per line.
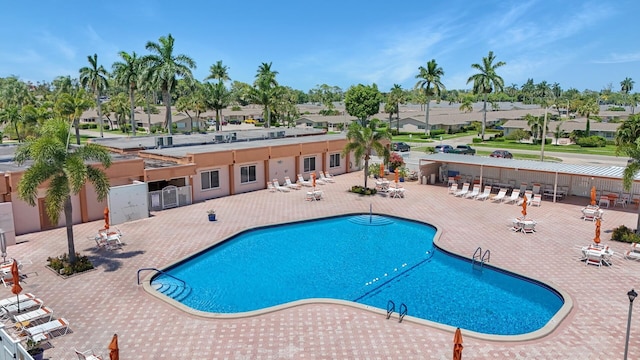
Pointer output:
544, 132
632, 295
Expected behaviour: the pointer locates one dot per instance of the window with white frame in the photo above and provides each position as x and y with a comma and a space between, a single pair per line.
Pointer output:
334, 160
310, 164
210, 179
248, 174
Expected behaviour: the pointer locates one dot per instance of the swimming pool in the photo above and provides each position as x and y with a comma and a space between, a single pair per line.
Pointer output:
364, 259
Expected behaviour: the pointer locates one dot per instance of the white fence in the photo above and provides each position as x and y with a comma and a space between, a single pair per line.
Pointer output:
169, 197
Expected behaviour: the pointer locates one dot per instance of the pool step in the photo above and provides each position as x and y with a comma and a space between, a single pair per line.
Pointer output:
175, 291
371, 220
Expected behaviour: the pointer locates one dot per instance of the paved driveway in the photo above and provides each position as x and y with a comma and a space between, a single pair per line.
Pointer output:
108, 300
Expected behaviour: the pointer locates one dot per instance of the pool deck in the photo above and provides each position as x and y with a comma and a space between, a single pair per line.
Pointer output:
108, 300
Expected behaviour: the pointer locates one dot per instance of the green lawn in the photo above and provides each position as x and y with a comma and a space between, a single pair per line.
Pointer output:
609, 150
417, 139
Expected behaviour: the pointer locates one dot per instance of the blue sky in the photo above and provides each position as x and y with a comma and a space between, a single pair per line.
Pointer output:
579, 44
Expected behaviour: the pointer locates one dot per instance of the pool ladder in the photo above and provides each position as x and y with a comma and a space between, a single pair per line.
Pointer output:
391, 307
479, 258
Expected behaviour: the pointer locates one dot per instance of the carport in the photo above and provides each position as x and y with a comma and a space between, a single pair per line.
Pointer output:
577, 179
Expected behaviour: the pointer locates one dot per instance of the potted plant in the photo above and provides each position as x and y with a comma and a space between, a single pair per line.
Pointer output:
212, 214
35, 350
395, 161
402, 173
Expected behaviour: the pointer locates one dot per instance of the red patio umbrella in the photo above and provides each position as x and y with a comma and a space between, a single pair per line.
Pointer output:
106, 218
457, 345
114, 352
381, 171
313, 180
597, 238
16, 288
593, 196
397, 177
524, 206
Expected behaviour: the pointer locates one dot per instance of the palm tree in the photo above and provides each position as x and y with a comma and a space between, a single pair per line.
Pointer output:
219, 72
127, 74
626, 141
486, 81
265, 89
163, 68
626, 86
11, 115
72, 106
65, 172
431, 85
363, 140
395, 98
587, 108
95, 78
218, 97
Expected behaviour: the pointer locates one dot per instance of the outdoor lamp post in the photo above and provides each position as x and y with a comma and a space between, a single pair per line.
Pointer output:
632, 296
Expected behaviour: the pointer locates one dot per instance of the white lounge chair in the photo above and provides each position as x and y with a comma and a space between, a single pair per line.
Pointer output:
325, 179
515, 195
43, 331
632, 255
463, 191
87, 355
8, 311
537, 200
529, 195
303, 182
25, 319
453, 188
319, 181
501, 194
473, 193
485, 194
276, 184
536, 188
13, 299
290, 185
271, 187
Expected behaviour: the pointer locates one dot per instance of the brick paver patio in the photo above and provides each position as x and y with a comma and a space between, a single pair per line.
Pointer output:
108, 300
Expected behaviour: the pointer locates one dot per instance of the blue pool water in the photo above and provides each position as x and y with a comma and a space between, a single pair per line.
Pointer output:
368, 260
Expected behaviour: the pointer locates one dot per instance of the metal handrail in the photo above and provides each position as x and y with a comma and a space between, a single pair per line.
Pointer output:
402, 312
161, 272
486, 254
391, 307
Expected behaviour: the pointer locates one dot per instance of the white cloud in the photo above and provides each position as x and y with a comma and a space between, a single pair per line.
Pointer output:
61, 46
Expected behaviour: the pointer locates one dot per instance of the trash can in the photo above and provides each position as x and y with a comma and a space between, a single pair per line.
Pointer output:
424, 180
433, 179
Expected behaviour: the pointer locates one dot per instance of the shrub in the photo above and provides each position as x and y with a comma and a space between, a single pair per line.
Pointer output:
476, 140
591, 141
395, 161
363, 190
430, 149
62, 262
437, 132
236, 108
624, 234
615, 108
374, 169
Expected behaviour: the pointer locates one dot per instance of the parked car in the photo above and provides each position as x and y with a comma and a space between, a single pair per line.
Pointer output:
400, 146
464, 150
502, 154
443, 148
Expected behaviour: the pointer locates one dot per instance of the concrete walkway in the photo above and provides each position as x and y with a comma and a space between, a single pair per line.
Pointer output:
108, 300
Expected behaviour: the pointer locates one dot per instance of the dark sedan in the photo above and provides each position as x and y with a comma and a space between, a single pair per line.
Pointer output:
502, 154
400, 146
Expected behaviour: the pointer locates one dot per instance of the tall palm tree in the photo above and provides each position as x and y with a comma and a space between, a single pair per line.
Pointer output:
265, 89
12, 115
395, 98
164, 68
363, 140
626, 141
485, 81
65, 172
94, 77
626, 86
218, 97
430, 84
588, 107
219, 72
127, 72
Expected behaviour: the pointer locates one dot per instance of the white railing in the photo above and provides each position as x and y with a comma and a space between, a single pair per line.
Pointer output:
11, 348
169, 197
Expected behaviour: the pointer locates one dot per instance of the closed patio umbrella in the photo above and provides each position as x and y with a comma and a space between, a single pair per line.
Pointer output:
593, 196
457, 345
381, 171
524, 206
114, 352
16, 288
597, 238
106, 218
397, 177
313, 180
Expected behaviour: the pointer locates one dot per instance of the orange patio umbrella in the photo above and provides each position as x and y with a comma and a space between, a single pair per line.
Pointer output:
397, 173
106, 218
593, 195
313, 179
381, 170
16, 288
524, 206
597, 238
114, 352
457, 345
